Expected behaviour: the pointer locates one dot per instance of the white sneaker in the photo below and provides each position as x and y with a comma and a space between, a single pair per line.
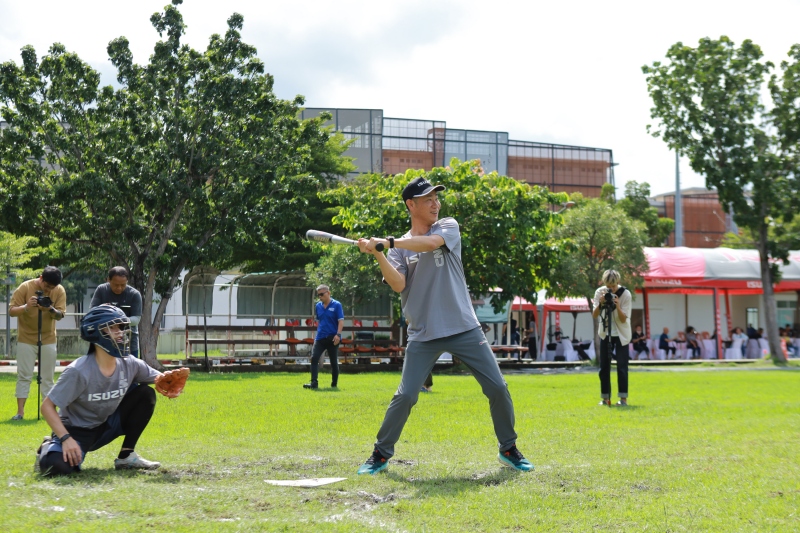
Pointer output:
134, 461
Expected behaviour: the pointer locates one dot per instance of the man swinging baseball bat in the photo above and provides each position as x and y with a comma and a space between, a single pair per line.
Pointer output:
425, 267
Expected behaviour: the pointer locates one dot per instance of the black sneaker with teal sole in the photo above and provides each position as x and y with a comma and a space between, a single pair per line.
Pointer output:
513, 458
376, 463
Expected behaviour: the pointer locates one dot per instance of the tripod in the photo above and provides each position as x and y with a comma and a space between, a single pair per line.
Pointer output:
605, 315
39, 368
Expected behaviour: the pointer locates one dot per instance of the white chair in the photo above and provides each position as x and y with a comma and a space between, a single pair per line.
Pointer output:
753, 349
661, 355
590, 351
763, 345
569, 352
675, 353
708, 349
655, 352
550, 354
735, 351
681, 350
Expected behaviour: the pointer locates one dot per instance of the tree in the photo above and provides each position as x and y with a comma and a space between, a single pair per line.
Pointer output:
608, 193
504, 223
191, 161
603, 237
16, 254
709, 103
636, 205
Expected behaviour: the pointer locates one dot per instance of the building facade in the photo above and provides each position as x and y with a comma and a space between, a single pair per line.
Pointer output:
704, 221
388, 145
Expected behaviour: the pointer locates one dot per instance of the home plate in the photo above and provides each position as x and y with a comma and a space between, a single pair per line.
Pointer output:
311, 482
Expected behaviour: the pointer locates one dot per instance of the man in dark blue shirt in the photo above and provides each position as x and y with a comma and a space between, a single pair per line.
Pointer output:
663, 344
118, 293
330, 316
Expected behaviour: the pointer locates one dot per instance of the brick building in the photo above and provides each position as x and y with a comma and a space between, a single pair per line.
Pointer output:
393, 145
704, 221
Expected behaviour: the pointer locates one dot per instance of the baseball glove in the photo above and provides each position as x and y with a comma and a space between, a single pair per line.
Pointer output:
172, 382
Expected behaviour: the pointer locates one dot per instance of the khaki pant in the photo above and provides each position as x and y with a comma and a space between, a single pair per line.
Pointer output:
26, 361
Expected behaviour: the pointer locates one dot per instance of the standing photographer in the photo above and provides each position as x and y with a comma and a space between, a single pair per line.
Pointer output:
44, 294
614, 302
118, 293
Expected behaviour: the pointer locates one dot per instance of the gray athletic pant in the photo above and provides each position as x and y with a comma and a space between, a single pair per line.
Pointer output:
473, 350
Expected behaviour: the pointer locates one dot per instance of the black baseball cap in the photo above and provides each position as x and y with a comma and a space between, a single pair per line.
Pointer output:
419, 187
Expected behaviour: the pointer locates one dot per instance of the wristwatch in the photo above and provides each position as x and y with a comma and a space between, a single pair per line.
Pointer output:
391, 241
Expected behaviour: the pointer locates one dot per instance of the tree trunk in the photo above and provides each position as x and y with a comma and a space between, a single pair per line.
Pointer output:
770, 307
149, 325
148, 332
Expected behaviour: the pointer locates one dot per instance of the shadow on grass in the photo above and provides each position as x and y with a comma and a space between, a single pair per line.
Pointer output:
101, 476
628, 407
453, 485
20, 423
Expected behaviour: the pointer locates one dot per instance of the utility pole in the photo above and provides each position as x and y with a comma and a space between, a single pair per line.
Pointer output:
678, 202
8, 281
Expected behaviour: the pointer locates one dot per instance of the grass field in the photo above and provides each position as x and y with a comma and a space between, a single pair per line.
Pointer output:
700, 450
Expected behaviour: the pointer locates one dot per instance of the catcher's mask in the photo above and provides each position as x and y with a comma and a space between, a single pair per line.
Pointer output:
95, 328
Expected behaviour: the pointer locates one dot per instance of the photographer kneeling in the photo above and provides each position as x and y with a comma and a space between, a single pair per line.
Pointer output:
612, 303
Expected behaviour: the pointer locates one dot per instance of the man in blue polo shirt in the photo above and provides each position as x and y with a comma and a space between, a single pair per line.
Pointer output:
330, 316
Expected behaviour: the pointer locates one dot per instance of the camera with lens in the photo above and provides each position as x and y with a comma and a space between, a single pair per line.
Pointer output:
42, 300
608, 301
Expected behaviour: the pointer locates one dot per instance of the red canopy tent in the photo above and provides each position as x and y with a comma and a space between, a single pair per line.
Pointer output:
701, 270
570, 305
710, 270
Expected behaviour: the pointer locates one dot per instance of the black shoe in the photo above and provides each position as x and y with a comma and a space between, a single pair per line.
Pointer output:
312, 385
334, 385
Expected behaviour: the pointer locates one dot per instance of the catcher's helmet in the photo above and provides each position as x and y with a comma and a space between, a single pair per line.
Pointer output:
94, 328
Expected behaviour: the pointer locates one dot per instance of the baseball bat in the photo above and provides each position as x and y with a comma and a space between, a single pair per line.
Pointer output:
324, 236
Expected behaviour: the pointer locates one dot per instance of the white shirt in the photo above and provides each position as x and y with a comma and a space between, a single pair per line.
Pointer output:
618, 329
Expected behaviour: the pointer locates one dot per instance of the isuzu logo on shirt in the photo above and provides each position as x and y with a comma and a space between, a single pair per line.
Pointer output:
100, 396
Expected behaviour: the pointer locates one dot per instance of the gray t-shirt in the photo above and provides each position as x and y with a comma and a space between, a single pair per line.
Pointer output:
86, 398
435, 300
129, 301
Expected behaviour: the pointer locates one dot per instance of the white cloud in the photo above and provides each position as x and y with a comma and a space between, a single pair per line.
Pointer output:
565, 72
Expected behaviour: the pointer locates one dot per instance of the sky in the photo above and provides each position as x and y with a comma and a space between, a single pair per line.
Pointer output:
556, 72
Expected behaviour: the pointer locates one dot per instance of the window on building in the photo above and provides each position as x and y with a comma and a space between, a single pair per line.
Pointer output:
752, 317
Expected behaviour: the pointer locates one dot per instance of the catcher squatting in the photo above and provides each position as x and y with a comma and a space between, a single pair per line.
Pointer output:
101, 396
